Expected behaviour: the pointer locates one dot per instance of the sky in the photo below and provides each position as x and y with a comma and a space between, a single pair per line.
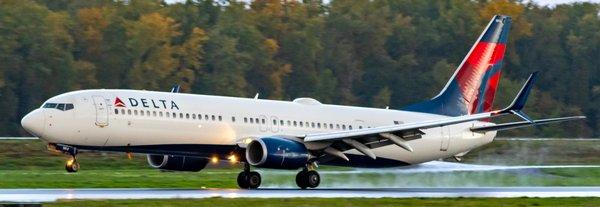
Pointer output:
541, 2
554, 2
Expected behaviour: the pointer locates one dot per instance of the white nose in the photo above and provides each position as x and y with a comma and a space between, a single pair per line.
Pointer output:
34, 122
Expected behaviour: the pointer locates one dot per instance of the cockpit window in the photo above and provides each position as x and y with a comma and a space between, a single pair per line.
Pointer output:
59, 106
50, 105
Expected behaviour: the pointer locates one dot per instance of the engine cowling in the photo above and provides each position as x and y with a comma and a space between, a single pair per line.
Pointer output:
177, 163
276, 153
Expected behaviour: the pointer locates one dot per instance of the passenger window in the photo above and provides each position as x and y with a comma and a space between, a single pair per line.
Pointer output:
274, 122
251, 120
319, 125
69, 107
193, 116
396, 122
289, 123
295, 123
233, 119
174, 115
160, 113
301, 124
331, 126
359, 127
129, 111
213, 117
281, 122
245, 120
154, 113
263, 121
116, 111
350, 127
135, 112
168, 114
147, 113
337, 126
141, 113
181, 115
187, 116
344, 127
220, 118
312, 124
199, 116
206, 117
123, 111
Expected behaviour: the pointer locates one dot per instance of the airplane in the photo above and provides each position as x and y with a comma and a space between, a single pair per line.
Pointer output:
184, 132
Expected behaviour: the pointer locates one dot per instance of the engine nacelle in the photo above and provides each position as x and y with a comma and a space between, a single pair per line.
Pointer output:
177, 163
276, 153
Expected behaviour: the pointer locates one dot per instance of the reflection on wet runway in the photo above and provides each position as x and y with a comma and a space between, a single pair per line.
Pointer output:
46, 195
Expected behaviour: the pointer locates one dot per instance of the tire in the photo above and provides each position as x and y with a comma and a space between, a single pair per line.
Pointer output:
72, 166
313, 179
301, 179
254, 180
242, 180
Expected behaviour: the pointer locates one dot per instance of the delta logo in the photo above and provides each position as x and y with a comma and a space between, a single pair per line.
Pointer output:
119, 103
147, 103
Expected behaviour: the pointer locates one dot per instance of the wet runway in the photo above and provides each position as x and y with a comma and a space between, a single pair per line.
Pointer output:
46, 195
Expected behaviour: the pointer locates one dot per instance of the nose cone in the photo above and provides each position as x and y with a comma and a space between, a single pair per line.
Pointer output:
34, 123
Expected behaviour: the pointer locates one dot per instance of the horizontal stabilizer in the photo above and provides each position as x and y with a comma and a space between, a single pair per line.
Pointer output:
514, 125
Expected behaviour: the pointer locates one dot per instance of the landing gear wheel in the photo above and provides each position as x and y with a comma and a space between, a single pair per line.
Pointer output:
313, 179
254, 180
242, 180
249, 180
301, 179
72, 165
308, 179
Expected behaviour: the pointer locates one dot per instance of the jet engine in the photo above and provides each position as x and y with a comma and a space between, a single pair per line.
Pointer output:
276, 153
177, 163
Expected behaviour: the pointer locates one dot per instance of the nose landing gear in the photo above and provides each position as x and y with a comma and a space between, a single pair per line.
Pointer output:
71, 165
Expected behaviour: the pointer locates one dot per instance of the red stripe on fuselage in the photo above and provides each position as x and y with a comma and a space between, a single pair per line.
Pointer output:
470, 75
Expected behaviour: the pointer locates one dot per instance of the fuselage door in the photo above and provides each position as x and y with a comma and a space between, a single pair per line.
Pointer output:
275, 124
445, 138
263, 124
101, 111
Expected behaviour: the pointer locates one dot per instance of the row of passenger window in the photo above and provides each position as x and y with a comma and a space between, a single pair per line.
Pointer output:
168, 114
291, 123
288, 123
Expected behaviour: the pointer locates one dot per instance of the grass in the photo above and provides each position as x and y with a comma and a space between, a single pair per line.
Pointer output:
27, 164
299, 202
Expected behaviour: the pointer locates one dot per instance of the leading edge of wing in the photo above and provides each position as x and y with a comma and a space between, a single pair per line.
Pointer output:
514, 108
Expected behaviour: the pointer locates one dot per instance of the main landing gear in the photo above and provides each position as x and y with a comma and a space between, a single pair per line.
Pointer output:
308, 177
248, 179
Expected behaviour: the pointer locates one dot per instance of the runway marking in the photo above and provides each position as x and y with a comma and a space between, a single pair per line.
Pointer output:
48, 195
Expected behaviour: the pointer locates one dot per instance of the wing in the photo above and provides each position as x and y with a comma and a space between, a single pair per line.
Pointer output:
365, 139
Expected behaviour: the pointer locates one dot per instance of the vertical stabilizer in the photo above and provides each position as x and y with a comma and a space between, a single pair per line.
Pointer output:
473, 86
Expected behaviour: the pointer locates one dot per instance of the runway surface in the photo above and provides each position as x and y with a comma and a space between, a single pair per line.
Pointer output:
46, 195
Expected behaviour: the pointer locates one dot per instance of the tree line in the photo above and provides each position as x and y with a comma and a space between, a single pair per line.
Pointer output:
357, 52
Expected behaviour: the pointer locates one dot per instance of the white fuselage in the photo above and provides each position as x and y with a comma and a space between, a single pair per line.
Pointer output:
149, 118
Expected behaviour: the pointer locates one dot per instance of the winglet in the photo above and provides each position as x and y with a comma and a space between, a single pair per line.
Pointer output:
517, 105
176, 89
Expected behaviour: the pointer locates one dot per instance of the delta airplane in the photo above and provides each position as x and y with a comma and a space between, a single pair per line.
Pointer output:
184, 132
